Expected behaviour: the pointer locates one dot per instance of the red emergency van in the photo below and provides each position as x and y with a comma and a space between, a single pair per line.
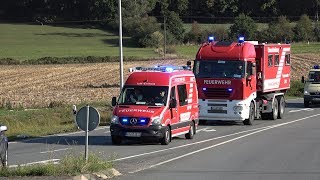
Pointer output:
156, 103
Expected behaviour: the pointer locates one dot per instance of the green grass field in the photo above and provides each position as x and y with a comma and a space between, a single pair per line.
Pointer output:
20, 41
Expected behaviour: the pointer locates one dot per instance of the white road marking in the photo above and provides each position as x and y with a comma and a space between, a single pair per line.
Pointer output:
55, 150
54, 161
225, 142
305, 109
190, 144
207, 129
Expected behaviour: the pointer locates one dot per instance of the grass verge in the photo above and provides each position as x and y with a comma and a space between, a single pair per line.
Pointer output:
46, 121
70, 165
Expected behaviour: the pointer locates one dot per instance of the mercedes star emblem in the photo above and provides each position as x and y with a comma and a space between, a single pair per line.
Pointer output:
133, 121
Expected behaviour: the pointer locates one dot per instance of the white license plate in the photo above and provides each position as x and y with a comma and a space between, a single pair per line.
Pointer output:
217, 108
133, 134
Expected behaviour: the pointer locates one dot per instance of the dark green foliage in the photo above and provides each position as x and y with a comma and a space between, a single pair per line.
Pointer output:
175, 25
317, 31
278, 31
304, 30
243, 26
296, 89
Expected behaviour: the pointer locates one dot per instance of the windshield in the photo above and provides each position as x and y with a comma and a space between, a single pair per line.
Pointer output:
219, 69
144, 95
314, 76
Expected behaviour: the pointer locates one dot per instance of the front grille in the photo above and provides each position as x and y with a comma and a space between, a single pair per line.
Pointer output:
134, 121
216, 93
315, 93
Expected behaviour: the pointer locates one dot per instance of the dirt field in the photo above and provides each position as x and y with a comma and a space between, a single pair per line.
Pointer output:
32, 86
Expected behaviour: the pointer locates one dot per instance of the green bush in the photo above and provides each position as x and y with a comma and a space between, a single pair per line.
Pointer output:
304, 30
279, 31
296, 89
175, 25
243, 26
194, 35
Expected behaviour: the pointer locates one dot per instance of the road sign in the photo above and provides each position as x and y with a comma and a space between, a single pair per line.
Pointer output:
81, 118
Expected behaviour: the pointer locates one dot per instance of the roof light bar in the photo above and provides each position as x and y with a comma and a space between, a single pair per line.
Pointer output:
160, 68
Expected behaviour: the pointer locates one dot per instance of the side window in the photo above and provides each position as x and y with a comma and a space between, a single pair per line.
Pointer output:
250, 69
182, 93
287, 59
270, 60
173, 93
276, 60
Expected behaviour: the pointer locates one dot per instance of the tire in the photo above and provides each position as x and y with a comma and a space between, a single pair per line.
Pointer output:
282, 106
190, 134
306, 103
116, 140
275, 109
4, 158
265, 116
250, 120
167, 136
202, 122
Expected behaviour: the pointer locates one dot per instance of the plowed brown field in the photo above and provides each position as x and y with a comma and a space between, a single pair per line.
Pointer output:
39, 85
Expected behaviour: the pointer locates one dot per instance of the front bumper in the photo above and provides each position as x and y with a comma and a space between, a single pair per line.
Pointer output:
312, 98
153, 132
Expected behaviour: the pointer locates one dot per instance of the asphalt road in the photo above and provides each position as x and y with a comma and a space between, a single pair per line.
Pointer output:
281, 149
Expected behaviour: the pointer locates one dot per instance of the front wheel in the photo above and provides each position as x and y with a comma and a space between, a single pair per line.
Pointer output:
167, 136
306, 103
275, 109
190, 134
116, 140
4, 157
250, 120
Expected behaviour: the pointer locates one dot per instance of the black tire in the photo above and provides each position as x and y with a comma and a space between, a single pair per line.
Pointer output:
306, 103
190, 134
282, 106
275, 109
202, 122
167, 136
116, 140
250, 120
265, 116
4, 157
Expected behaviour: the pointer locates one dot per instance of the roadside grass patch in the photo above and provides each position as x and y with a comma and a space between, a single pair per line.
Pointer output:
296, 89
29, 123
70, 165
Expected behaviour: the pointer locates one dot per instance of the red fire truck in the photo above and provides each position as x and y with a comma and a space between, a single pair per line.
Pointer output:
242, 81
156, 103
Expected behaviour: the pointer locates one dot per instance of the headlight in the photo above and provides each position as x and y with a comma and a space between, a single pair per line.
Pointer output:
237, 108
115, 120
306, 92
156, 120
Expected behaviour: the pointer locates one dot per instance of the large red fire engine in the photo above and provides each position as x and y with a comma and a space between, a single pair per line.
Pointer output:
156, 103
242, 81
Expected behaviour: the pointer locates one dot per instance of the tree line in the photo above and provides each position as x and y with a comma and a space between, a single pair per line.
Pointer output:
149, 22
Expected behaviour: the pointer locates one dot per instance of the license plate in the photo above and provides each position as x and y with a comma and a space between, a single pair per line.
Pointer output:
217, 108
133, 134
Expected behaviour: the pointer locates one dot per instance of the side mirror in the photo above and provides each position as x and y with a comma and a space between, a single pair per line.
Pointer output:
253, 64
188, 63
114, 101
173, 103
302, 79
3, 128
249, 78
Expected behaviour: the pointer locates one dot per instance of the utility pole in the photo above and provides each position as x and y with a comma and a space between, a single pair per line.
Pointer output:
120, 44
165, 37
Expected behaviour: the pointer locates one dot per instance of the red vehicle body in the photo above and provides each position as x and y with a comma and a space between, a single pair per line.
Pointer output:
229, 92
147, 118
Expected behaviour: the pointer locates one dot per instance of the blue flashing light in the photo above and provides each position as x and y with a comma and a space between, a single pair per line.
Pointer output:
204, 89
142, 121
125, 120
230, 89
169, 69
316, 67
210, 38
241, 39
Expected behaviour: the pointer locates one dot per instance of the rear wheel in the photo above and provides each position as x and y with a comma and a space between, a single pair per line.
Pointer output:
250, 120
282, 105
191, 132
4, 157
116, 140
167, 136
275, 109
